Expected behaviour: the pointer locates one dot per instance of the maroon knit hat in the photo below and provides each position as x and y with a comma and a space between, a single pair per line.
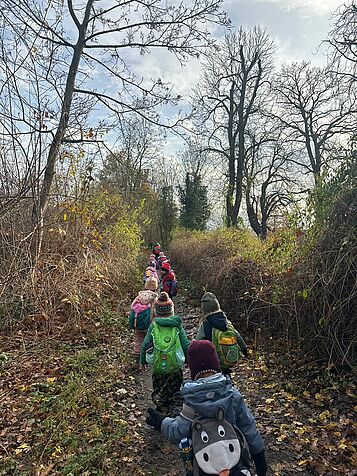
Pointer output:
202, 356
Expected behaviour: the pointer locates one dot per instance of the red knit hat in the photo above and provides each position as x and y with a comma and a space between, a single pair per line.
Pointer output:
202, 356
166, 266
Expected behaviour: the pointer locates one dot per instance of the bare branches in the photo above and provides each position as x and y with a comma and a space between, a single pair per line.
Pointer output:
343, 39
317, 107
228, 99
52, 39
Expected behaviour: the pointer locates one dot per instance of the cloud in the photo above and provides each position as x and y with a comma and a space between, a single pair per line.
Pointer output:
317, 7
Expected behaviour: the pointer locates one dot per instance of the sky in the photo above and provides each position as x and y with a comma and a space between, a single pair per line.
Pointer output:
298, 28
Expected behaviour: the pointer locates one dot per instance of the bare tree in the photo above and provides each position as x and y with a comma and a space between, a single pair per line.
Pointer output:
65, 40
317, 109
343, 38
227, 99
268, 179
137, 148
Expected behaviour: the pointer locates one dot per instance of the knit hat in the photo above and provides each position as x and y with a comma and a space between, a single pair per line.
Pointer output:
166, 266
146, 297
209, 304
164, 307
151, 283
202, 357
161, 254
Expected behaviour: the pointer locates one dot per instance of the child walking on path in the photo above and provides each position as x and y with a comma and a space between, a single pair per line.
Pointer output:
215, 321
140, 317
165, 349
208, 395
168, 279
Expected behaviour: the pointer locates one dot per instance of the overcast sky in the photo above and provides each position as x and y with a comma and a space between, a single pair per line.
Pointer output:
297, 26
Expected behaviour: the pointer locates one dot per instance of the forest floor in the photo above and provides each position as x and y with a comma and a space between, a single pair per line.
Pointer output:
76, 406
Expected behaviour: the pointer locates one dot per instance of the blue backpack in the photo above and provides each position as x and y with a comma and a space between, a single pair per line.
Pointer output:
173, 288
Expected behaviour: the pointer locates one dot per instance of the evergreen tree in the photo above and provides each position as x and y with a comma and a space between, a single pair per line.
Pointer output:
195, 210
167, 214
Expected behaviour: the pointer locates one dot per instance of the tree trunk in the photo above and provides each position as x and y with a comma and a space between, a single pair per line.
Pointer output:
232, 160
40, 206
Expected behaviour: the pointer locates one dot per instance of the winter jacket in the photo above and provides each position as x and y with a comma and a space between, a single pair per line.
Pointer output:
217, 320
172, 321
140, 320
166, 281
205, 396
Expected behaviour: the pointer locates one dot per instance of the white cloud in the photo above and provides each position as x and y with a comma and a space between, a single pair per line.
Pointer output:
317, 7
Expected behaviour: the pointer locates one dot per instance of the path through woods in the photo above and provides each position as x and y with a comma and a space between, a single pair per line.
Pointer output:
75, 407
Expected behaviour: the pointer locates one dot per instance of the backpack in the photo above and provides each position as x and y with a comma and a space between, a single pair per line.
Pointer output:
226, 344
166, 356
173, 288
141, 321
217, 445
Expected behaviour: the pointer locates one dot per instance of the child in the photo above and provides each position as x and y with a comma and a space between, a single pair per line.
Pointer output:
168, 279
151, 272
208, 392
152, 261
156, 251
167, 362
216, 320
140, 317
161, 259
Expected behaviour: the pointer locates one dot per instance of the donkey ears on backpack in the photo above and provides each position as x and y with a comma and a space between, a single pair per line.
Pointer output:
220, 414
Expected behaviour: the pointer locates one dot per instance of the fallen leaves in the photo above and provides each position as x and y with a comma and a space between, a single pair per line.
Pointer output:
306, 430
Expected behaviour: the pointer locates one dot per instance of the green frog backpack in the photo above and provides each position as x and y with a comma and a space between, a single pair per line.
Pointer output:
166, 356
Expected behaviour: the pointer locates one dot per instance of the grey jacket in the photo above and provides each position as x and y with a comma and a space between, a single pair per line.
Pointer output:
205, 396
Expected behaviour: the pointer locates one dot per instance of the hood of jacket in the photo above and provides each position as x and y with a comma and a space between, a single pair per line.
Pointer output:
206, 395
218, 320
170, 321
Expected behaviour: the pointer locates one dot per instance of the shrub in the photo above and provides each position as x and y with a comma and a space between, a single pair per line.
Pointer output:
88, 266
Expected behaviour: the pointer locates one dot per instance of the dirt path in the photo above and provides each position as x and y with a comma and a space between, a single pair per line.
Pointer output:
307, 424
158, 456
77, 408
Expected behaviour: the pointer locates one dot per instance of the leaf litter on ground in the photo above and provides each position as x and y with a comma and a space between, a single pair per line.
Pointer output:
79, 408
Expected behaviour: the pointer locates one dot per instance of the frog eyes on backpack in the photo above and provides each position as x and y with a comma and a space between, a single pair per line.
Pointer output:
221, 431
204, 437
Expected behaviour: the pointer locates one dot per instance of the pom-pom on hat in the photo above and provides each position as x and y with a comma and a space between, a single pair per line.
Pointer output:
202, 357
210, 304
164, 307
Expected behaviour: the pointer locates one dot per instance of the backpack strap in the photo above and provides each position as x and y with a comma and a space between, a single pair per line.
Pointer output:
188, 413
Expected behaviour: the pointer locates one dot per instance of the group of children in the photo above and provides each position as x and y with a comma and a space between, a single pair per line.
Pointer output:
206, 416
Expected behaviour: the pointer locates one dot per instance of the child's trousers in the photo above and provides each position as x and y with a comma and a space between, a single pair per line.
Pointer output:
139, 339
166, 393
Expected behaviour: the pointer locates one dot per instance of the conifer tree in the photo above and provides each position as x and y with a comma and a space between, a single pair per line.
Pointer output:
195, 210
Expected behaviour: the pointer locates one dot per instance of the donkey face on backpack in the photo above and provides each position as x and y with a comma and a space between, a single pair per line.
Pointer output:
215, 443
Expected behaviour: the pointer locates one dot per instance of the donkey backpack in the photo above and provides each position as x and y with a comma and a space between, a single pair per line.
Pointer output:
226, 344
219, 447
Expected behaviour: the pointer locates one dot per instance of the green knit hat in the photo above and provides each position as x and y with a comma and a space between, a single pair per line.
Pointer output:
209, 304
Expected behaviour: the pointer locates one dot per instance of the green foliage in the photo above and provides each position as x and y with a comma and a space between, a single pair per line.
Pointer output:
167, 214
330, 186
195, 209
